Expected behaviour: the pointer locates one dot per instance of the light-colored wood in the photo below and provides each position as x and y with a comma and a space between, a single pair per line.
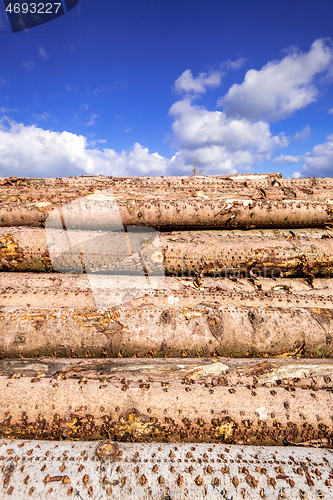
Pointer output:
104, 470
266, 253
30, 290
241, 201
64, 315
228, 401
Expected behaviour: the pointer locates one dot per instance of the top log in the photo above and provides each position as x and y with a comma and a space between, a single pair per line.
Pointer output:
165, 203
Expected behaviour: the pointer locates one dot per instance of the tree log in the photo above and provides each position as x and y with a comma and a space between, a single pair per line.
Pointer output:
268, 253
30, 290
227, 401
133, 310
263, 201
135, 471
248, 185
61, 315
150, 331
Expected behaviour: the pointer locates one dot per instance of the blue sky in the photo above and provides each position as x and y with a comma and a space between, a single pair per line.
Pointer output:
144, 87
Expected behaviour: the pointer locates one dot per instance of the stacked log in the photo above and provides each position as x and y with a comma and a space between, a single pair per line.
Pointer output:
118, 470
272, 402
56, 315
240, 201
182, 309
271, 252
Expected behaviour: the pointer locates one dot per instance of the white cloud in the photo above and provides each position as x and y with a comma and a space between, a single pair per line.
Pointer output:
32, 151
29, 65
303, 134
237, 64
187, 83
92, 120
331, 111
99, 90
92, 143
3, 80
227, 142
137, 162
281, 87
224, 144
42, 116
5, 111
281, 160
296, 175
43, 54
319, 163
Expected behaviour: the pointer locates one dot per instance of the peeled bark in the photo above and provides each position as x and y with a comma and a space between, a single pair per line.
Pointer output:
170, 202
131, 470
268, 253
178, 213
30, 290
229, 401
150, 331
64, 315
250, 185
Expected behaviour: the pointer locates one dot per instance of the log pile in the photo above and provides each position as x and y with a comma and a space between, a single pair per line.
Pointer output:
169, 310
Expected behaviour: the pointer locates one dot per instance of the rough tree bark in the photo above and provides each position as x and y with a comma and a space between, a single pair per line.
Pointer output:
30, 290
62, 315
200, 397
171, 202
165, 470
269, 253
230, 401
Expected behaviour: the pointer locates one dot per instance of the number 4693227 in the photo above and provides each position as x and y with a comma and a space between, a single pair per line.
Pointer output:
33, 8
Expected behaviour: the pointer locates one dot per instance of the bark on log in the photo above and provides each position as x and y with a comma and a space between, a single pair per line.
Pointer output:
62, 315
135, 471
30, 290
240, 402
150, 331
250, 185
173, 214
170, 203
269, 253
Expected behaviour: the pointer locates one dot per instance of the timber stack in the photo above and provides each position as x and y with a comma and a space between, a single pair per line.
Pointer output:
181, 326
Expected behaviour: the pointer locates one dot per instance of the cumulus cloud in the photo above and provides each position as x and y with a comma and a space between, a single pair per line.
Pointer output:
138, 161
239, 136
43, 54
29, 65
281, 87
319, 163
32, 151
228, 141
198, 85
42, 116
237, 64
303, 134
223, 143
92, 120
283, 159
